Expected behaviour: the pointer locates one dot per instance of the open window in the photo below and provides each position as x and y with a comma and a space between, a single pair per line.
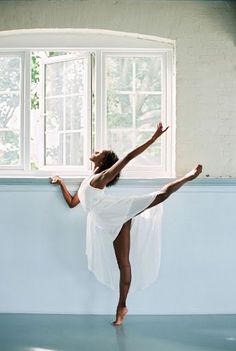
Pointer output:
59, 104
64, 136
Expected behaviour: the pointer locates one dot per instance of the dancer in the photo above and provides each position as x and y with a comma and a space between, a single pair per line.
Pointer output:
111, 216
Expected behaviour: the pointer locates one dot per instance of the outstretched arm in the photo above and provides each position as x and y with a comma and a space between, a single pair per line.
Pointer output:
110, 173
72, 201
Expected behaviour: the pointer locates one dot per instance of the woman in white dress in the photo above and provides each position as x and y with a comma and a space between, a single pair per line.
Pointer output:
109, 218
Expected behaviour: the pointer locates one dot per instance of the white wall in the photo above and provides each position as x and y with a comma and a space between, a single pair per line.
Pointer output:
205, 33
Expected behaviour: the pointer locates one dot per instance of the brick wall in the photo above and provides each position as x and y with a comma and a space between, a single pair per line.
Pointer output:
205, 33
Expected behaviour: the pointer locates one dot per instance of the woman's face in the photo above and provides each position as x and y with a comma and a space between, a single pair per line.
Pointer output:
97, 157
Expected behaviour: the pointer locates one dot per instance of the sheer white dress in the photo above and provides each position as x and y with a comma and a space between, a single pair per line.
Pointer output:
106, 214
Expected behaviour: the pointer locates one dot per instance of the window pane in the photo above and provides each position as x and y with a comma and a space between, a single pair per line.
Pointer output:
148, 74
54, 79
75, 112
74, 76
54, 113
74, 149
65, 105
132, 116
54, 149
10, 72
9, 148
10, 110
147, 111
120, 140
64, 149
119, 111
119, 73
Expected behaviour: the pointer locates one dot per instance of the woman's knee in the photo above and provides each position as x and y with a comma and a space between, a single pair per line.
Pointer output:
159, 199
123, 264
125, 273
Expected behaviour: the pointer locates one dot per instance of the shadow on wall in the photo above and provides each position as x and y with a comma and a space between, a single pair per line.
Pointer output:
230, 23
223, 15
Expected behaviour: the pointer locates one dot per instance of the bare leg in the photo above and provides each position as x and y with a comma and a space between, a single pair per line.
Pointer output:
122, 247
170, 188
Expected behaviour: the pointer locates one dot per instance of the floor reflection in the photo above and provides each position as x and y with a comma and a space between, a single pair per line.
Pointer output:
121, 338
21, 332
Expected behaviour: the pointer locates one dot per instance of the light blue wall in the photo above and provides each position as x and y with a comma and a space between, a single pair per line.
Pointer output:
43, 265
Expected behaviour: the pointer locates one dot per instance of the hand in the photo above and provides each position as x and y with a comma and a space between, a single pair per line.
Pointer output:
56, 180
159, 131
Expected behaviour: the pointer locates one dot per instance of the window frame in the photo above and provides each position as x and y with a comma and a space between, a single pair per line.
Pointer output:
87, 135
112, 42
166, 169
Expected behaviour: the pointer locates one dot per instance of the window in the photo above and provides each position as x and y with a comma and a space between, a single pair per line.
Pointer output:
82, 100
134, 104
65, 108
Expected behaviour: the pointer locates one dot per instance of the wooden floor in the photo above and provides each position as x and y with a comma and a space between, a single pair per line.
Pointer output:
35, 332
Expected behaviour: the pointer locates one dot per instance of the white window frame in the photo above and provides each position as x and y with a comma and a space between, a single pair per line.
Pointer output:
98, 41
87, 136
166, 167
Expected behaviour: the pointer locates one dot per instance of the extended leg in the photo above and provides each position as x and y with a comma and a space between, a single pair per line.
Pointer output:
170, 188
122, 248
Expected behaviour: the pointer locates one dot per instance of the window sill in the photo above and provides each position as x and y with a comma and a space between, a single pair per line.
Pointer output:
140, 182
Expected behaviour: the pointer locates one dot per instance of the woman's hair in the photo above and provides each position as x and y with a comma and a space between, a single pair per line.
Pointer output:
109, 160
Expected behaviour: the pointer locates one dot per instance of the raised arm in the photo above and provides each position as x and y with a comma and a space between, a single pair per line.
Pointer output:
71, 201
110, 173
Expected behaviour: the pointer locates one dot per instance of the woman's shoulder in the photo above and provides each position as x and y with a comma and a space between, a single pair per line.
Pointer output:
96, 180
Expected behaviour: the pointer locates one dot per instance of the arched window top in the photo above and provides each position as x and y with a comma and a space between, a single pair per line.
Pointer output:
83, 37
67, 92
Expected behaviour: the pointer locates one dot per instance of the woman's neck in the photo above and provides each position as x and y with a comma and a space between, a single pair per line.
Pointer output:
96, 169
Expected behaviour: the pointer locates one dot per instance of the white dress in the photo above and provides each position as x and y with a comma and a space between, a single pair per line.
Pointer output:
106, 214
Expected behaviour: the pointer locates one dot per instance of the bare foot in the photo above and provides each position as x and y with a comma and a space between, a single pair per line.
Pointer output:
194, 173
120, 315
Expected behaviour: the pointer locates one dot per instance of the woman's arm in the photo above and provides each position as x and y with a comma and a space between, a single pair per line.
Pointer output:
72, 201
110, 173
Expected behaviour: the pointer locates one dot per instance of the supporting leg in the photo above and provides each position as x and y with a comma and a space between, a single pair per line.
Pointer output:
122, 247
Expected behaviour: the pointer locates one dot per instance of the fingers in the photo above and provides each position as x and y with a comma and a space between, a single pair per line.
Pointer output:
199, 168
160, 128
54, 180
165, 129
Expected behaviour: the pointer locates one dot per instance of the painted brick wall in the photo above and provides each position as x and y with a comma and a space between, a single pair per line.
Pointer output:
206, 62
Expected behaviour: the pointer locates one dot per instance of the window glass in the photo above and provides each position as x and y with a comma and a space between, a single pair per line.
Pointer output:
61, 90
133, 104
10, 109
